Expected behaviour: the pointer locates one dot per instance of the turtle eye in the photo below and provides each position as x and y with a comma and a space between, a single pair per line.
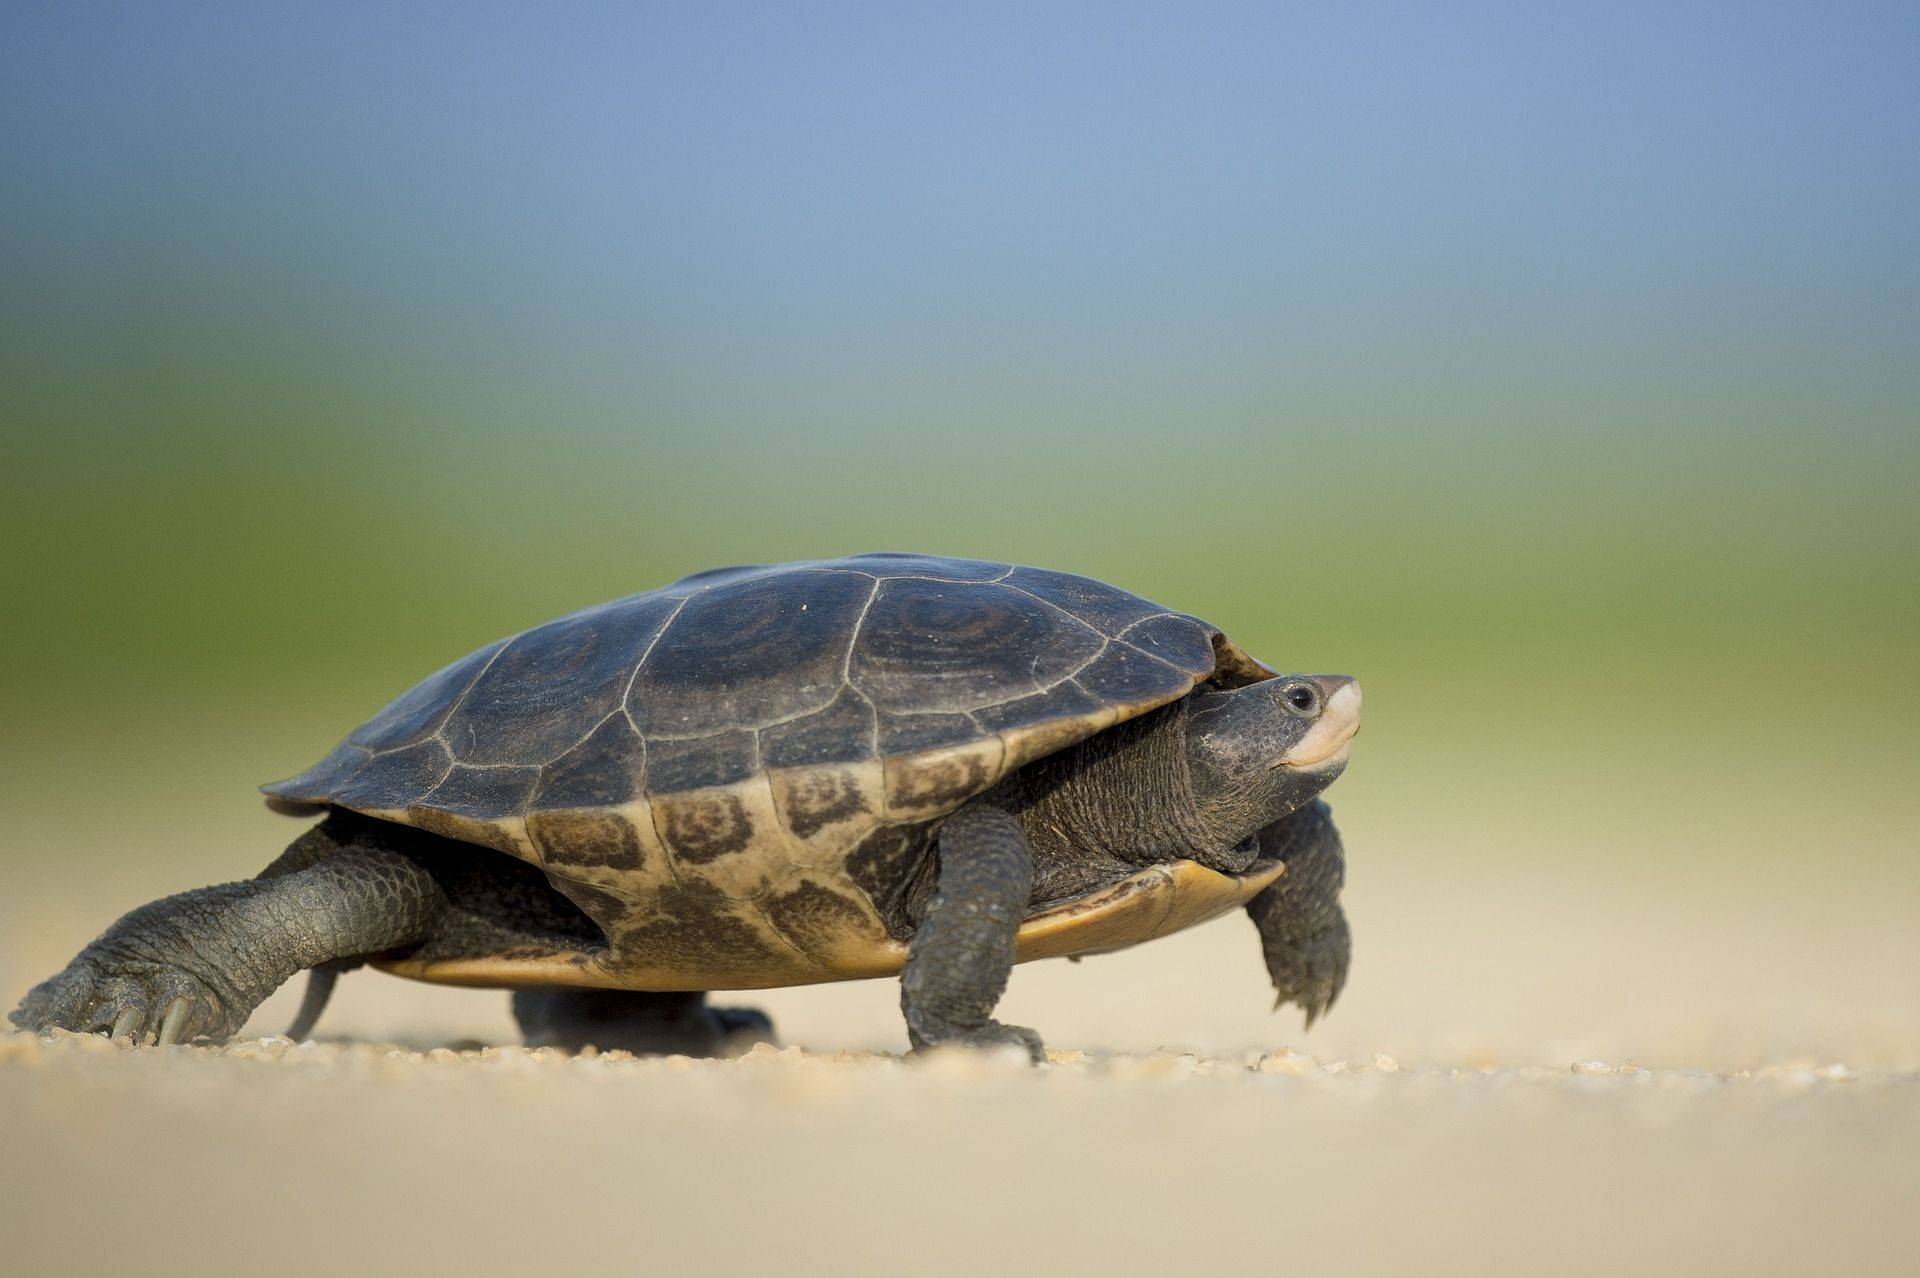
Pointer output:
1302, 699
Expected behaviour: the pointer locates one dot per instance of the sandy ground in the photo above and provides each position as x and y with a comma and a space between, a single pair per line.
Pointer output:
324, 1157
1528, 1074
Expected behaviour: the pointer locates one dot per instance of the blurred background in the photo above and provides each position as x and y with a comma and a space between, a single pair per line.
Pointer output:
1553, 371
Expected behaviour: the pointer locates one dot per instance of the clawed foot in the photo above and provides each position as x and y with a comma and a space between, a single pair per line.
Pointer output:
128, 998
1311, 973
988, 1037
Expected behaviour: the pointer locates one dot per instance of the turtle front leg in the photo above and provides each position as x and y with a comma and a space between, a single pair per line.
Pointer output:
962, 951
1303, 930
197, 964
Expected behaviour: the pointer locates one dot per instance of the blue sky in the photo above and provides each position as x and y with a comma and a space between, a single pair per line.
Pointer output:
1436, 221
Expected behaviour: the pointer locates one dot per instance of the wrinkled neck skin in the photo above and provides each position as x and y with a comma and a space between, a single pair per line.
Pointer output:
1132, 795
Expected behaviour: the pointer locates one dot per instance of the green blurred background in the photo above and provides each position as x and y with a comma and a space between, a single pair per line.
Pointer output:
1553, 372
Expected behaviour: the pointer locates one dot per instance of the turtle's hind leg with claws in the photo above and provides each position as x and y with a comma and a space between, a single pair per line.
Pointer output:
197, 964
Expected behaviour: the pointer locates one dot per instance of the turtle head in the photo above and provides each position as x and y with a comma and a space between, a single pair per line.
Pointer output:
1256, 753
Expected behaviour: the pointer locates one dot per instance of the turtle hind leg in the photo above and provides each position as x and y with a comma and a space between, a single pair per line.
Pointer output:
196, 964
644, 1023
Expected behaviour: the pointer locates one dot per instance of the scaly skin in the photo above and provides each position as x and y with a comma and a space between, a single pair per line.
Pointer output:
1303, 930
197, 964
962, 952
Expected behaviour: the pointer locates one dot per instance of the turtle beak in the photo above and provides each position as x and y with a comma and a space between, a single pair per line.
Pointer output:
1327, 743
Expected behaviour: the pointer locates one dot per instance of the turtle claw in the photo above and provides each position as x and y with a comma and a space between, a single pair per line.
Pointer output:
134, 1001
1315, 1008
174, 1022
1310, 974
989, 1037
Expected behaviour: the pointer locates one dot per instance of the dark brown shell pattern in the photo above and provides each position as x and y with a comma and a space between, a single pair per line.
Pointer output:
744, 754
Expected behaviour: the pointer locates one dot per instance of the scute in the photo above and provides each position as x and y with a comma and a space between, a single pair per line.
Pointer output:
482, 792
419, 712
405, 773
844, 730
530, 703
678, 764
935, 646
1091, 603
901, 734
606, 770
749, 653
1125, 676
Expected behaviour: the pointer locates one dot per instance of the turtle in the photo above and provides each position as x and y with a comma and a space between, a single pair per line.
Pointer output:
777, 775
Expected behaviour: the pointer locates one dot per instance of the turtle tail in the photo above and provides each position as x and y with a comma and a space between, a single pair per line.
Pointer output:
319, 989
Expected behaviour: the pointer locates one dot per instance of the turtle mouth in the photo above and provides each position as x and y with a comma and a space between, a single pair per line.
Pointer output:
1255, 868
1334, 756
1329, 741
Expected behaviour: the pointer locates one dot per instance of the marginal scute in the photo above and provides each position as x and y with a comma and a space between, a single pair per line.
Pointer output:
933, 784
700, 929
1048, 721
704, 825
880, 863
498, 835
608, 909
1235, 667
812, 799
589, 837
732, 839
308, 792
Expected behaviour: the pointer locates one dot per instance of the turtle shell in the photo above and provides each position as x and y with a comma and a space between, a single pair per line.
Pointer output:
729, 774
